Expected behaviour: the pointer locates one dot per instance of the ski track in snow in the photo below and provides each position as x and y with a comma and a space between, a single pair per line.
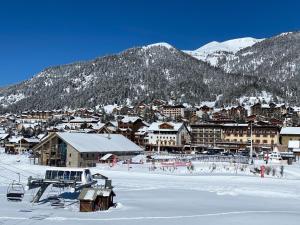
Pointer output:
42, 217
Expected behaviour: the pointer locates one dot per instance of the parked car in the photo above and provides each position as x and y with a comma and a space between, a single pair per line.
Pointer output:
274, 156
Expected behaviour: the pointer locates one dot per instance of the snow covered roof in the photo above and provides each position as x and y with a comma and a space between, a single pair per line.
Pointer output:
265, 106
31, 140
107, 156
128, 119
15, 139
83, 142
290, 130
98, 126
142, 130
91, 194
156, 126
83, 120
235, 125
3, 136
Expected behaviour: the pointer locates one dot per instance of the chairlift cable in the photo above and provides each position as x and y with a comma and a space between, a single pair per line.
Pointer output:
7, 178
13, 171
19, 168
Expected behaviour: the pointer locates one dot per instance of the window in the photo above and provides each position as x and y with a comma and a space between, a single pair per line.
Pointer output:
78, 175
73, 175
60, 174
70, 155
67, 174
54, 175
48, 174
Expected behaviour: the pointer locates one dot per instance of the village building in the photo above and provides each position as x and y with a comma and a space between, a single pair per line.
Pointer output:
173, 111
19, 144
96, 199
37, 115
262, 135
289, 134
82, 149
129, 125
206, 134
168, 136
269, 110
4, 138
141, 136
80, 122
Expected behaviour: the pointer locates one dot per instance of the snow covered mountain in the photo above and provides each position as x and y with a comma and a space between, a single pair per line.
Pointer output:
232, 69
214, 51
137, 74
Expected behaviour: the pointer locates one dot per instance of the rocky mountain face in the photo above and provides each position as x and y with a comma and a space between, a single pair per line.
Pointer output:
240, 68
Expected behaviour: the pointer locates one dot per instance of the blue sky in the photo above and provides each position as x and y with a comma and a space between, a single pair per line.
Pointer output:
35, 34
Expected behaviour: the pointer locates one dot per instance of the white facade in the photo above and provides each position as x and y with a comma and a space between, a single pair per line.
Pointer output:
167, 134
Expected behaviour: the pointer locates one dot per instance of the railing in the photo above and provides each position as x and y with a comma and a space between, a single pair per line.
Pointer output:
203, 158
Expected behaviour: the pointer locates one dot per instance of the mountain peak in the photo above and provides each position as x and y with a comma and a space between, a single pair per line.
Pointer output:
212, 51
160, 44
232, 46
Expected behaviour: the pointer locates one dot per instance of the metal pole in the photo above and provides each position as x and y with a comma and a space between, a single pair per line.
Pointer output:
251, 145
158, 147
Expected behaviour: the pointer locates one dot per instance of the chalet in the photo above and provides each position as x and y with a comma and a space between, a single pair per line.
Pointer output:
80, 122
96, 199
18, 145
37, 115
141, 136
168, 136
129, 125
269, 110
82, 149
206, 109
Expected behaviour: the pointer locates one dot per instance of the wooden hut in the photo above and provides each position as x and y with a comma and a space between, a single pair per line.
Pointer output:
94, 199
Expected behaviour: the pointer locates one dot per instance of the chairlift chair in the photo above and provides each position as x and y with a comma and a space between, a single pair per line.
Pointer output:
58, 203
54, 197
15, 191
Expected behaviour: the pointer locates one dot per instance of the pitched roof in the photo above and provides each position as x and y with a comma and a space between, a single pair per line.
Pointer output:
128, 119
83, 142
290, 130
156, 126
90, 194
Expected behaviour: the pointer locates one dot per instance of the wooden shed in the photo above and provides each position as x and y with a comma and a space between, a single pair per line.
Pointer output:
95, 199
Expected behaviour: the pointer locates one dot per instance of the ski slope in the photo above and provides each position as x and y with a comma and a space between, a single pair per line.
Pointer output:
223, 196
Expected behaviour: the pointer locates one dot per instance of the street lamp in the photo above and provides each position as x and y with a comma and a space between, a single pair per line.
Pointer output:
251, 145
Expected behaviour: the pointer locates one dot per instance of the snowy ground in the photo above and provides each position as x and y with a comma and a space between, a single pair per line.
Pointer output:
224, 196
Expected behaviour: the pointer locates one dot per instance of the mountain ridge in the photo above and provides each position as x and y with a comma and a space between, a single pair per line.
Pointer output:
158, 70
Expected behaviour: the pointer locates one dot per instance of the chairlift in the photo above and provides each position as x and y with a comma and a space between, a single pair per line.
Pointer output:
15, 191
58, 203
54, 197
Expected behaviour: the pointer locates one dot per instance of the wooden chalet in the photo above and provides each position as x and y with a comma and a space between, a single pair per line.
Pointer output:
96, 199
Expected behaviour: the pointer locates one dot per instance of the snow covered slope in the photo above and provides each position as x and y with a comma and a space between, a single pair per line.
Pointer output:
214, 51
